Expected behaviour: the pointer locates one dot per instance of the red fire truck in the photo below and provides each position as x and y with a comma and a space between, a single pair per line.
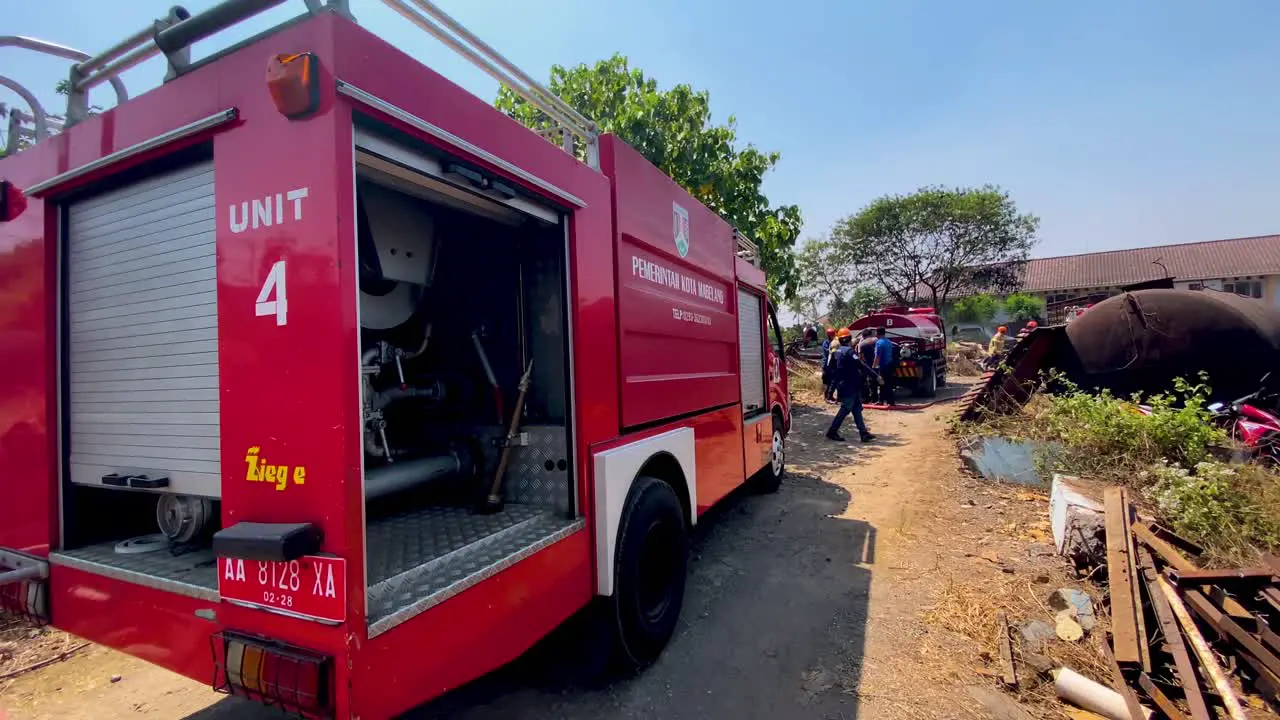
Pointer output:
921, 343
328, 381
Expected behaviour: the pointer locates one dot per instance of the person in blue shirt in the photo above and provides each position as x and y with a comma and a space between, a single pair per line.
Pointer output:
846, 377
828, 393
884, 365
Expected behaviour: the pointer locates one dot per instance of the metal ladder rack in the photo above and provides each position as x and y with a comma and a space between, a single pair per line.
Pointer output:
174, 34
746, 248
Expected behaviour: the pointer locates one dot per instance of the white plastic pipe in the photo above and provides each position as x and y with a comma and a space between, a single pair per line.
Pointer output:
1089, 695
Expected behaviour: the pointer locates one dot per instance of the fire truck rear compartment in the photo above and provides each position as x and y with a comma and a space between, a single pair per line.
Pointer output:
459, 292
462, 300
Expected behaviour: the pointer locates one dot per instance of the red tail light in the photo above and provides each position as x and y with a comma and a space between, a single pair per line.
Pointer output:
273, 673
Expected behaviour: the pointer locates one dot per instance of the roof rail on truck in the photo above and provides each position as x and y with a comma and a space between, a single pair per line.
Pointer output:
174, 34
746, 248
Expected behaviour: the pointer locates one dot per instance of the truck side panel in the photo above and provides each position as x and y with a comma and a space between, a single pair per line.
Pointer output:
479, 630
718, 446
28, 497
676, 298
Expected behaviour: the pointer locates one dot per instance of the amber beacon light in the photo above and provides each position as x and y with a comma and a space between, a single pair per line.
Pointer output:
294, 82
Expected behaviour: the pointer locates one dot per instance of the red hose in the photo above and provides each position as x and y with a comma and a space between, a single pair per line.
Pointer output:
881, 406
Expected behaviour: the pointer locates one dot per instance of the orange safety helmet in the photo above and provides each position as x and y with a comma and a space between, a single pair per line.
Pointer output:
843, 333
831, 332
1033, 325
1002, 329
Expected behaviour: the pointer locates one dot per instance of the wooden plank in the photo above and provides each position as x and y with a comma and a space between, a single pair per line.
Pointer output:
1232, 630
1234, 576
1207, 660
1124, 618
1008, 673
1176, 540
1122, 686
1266, 683
1175, 559
1173, 640
1161, 700
1168, 553
1144, 644
1272, 597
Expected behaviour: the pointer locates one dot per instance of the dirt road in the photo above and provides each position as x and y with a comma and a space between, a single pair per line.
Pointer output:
804, 604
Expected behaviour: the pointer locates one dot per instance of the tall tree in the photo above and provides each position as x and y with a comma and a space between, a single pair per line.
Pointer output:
827, 281
938, 241
822, 278
673, 130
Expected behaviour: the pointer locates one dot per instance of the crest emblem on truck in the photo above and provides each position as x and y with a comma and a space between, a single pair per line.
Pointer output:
680, 228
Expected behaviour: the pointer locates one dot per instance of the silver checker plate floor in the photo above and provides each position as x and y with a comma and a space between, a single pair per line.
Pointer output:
194, 573
421, 558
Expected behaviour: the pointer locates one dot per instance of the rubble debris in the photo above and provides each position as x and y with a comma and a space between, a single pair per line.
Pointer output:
1066, 626
1208, 662
999, 458
1036, 634
1077, 523
1150, 567
1080, 604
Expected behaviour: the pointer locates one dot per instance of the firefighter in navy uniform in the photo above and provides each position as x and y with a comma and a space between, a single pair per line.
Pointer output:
846, 377
828, 391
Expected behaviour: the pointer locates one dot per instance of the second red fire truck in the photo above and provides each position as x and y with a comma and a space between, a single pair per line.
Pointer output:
329, 383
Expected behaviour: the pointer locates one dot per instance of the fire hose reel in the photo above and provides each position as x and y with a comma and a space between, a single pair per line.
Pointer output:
183, 518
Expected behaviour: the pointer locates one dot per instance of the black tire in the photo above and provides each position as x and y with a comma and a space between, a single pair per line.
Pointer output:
650, 568
769, 479
927, 385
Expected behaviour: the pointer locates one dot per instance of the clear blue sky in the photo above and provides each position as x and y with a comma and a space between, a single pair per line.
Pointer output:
1120, 124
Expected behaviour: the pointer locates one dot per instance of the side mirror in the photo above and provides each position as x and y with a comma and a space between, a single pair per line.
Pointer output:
12, 201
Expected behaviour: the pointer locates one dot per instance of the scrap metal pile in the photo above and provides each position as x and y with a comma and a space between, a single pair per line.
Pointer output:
1182, 636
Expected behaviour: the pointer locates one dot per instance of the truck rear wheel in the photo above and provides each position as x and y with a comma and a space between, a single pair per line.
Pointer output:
650, 567
927, 385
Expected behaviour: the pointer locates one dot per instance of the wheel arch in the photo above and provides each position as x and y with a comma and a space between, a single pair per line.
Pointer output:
669, 457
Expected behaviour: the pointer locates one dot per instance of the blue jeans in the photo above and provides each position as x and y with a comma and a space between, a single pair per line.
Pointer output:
850, 404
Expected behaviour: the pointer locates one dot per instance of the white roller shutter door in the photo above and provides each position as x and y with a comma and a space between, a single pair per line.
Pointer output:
142, 333
751, 349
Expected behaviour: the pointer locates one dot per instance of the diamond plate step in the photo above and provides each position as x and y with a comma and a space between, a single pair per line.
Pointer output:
193, 573
420, 559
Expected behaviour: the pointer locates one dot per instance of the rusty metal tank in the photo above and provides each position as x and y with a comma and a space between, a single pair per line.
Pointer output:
1140, 341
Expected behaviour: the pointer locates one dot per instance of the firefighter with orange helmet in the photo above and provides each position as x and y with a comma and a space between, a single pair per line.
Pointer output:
847, 372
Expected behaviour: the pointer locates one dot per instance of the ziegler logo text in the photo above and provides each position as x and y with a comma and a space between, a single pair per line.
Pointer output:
259, 470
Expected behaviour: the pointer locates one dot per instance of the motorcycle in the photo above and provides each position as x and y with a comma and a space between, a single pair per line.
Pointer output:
1246, 421
1256, 428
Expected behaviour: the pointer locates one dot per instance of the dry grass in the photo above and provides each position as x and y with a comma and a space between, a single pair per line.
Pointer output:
22, 645
804, 379
968, 607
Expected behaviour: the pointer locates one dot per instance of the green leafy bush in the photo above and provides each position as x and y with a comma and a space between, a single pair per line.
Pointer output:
1022, 307
1230, 509
974, 309
1104, 435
